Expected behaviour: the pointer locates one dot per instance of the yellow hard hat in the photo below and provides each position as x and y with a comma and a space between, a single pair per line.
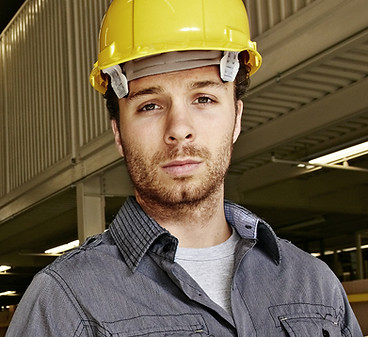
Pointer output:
133, 29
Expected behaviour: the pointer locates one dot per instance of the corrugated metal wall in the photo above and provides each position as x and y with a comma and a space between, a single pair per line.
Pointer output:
265, 14
48, 108
84, 21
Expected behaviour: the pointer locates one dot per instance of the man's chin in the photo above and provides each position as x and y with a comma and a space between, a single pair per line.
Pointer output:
179, 197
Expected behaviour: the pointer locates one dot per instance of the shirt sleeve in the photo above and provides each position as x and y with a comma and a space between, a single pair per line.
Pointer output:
45, 310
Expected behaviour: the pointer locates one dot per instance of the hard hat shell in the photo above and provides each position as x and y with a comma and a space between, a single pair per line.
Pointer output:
133, 29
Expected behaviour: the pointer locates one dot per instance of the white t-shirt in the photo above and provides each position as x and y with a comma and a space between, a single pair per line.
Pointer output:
212, 268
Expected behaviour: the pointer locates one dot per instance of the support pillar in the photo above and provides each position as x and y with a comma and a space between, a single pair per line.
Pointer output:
322, 249
337, 266
359, 256
90, 207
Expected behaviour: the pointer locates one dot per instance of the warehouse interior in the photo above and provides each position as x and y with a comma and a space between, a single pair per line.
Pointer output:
309, 99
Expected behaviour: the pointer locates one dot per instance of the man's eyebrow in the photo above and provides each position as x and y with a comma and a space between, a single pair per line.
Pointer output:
146, 91
205, 84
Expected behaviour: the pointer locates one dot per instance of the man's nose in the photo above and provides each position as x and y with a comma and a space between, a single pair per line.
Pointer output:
179, 125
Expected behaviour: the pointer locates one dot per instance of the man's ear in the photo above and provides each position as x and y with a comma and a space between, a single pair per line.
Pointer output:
117, 136
238, 118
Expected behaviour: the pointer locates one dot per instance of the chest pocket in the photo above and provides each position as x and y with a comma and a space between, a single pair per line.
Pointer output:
159, 326
307, 320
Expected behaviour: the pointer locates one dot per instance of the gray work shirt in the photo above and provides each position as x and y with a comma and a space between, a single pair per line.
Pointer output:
125, 282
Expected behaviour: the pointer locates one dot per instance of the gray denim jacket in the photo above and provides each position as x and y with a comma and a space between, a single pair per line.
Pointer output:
125, 283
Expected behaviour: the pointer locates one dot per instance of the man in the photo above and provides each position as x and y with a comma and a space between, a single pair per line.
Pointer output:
178, 260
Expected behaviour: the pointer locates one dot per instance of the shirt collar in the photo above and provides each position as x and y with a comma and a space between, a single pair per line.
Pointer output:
250, 226
134, 231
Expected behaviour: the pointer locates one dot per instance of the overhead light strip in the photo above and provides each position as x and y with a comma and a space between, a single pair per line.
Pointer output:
332, 160
342, 155
345, 250
4, 268
8, 293
63, 248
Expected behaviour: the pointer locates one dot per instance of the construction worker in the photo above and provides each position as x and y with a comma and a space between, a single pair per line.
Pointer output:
179, 260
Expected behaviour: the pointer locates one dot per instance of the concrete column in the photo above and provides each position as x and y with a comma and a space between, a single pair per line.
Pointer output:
322, 249
337, 266
359, 256
90, 207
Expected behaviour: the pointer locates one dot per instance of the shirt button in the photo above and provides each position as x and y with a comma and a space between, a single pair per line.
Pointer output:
325, 333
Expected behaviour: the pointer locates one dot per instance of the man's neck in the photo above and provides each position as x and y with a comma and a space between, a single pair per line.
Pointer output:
198, 225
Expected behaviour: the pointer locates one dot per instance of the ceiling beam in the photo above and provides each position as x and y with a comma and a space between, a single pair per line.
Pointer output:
60, 177
320, 25
308, 119
317, 193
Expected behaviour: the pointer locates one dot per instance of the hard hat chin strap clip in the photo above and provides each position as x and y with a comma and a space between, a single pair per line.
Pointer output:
229, 66
118, 80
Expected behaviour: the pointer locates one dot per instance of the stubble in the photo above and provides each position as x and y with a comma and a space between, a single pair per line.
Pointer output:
182, 196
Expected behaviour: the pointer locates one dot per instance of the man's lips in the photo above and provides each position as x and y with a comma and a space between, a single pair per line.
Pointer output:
181, 167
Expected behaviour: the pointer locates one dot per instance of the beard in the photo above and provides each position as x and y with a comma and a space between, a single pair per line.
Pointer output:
178, 192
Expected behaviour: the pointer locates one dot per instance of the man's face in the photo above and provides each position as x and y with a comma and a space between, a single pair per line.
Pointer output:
177, 131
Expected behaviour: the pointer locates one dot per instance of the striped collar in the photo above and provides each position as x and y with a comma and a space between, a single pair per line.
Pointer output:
134, 231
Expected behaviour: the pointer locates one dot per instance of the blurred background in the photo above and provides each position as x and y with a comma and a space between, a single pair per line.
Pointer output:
62, 180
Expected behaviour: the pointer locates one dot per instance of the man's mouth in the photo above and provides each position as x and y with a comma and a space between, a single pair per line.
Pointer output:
181, 167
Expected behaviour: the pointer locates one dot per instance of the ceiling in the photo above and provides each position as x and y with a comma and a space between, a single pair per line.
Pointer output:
310, 98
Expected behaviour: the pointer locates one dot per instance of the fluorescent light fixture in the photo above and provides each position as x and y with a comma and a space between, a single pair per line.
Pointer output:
342, 155
345, 250
306, 166
8, 293
63, 248
4, 268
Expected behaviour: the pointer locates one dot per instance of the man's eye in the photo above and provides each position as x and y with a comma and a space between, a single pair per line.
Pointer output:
149, 107
203, 100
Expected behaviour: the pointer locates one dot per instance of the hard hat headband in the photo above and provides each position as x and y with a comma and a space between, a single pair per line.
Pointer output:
169, 62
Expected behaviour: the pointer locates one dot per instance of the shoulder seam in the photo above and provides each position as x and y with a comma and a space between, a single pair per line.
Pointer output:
67, 291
